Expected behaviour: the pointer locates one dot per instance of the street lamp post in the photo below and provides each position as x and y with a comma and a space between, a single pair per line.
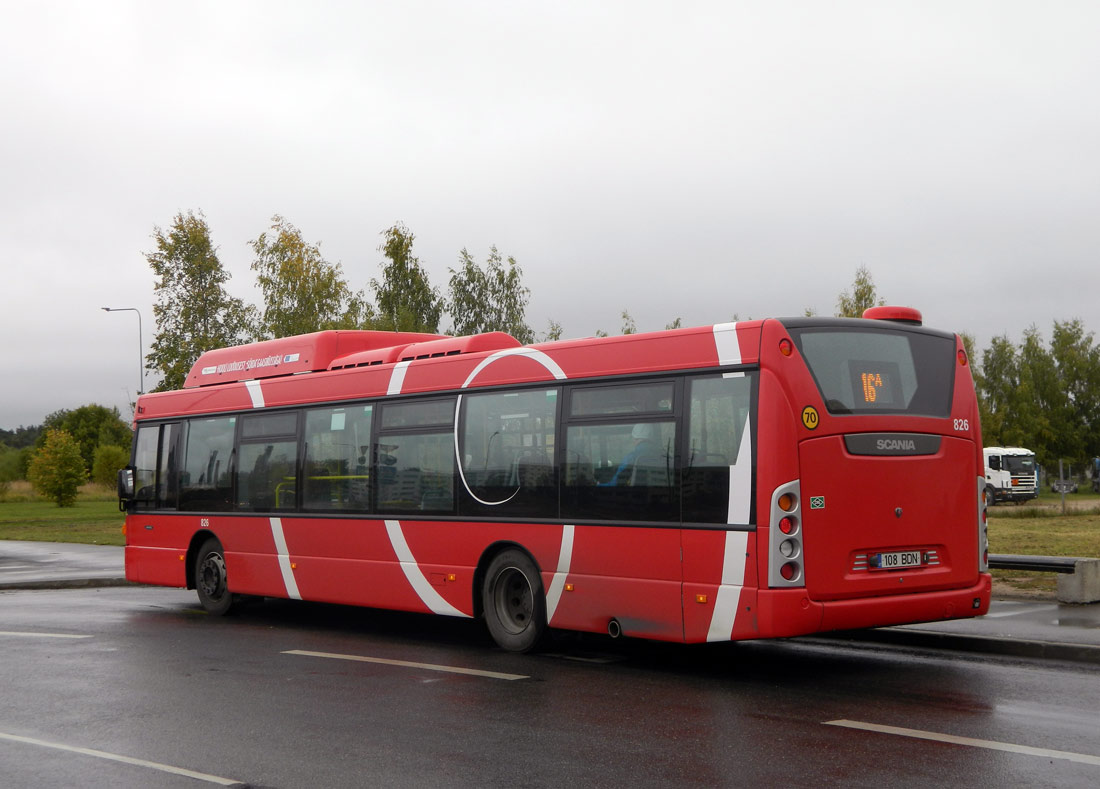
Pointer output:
141, 357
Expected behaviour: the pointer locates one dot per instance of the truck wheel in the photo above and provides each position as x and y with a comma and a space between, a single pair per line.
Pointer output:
990, 499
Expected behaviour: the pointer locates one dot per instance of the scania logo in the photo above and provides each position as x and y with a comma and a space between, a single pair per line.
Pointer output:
903, 444
892, 443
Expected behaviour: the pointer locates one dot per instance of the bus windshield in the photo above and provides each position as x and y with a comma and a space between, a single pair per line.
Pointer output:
871, 371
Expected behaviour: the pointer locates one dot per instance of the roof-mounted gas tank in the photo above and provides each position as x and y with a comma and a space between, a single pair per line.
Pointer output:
303, 353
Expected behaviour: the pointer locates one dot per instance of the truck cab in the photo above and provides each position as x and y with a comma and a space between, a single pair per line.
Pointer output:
1010, 474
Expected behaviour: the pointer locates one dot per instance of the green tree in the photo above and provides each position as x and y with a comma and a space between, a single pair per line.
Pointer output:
404, 297
863, 295
1077, 359
105, 467
302, 291
629, 326
57, 470
553, 332
997, 385
490, 299
193, 312
90, 426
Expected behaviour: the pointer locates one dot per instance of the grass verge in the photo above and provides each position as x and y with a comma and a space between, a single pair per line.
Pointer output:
94, 519
1040, 531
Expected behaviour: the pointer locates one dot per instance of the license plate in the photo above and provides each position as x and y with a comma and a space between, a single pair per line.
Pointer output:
896, 560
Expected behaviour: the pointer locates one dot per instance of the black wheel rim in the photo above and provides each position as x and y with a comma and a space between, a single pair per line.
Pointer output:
513, 600
211, 580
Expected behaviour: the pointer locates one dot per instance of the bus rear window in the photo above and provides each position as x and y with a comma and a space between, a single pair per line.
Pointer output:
860, 371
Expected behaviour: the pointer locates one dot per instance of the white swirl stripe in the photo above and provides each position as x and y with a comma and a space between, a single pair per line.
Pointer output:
557, 583
729, 593
397, 377
256, 393
741, 482
427, 593
531, 353
284, 559
725, 340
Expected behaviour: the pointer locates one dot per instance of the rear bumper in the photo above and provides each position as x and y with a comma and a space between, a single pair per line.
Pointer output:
790, 612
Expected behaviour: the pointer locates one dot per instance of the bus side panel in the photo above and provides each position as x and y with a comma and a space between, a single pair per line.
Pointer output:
154, 545
709, 606
618, 572
157, 566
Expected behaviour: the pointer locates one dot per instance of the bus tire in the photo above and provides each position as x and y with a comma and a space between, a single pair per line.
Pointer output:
514, 602
211, 581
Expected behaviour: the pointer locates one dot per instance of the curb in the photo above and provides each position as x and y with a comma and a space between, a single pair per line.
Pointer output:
64, 583
1043, 650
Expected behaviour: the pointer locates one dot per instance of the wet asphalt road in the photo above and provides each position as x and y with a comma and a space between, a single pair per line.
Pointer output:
302, 695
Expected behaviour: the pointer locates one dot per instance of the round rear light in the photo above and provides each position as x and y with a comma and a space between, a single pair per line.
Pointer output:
789, 571
786, 502
962, 358
785, 347
788, 548
787, 525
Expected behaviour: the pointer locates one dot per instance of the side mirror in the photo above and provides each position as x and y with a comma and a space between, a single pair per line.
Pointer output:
125, 487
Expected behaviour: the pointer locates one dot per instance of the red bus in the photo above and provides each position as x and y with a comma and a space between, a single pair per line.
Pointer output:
744, 480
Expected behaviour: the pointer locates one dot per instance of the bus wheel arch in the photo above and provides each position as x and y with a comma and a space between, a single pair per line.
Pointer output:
509, 594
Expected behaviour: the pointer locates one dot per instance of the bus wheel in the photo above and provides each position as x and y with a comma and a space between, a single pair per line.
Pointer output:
210, 579
513, 601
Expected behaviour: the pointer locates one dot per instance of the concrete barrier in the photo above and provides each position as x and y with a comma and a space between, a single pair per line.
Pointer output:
1082, 585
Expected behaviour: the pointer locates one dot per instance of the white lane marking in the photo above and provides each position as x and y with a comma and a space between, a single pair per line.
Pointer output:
991, 745
397, 377
725, 341
557, 584
474, 672
427, 593
284, 559
1018, 611
729, 593
114, 757
40, 635
256, 393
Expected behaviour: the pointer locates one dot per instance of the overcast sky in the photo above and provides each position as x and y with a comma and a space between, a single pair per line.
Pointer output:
682, 159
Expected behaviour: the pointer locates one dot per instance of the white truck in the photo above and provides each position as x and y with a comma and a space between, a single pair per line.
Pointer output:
1010, 474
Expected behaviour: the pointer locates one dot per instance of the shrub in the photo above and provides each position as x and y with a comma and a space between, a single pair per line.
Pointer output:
106, 463
57, 469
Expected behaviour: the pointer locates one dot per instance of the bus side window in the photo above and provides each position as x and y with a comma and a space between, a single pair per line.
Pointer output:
719, 446
506, 453
620, 460
414, 457
206, 484
267, 471
336, 466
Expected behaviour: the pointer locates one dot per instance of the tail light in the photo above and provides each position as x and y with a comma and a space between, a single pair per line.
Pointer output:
785, 568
